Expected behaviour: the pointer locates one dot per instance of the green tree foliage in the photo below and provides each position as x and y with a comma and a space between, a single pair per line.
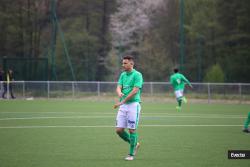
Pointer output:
85, 24
201, 30
21, 23
97, 32
217, 31
234, 39
214, 74
26, 32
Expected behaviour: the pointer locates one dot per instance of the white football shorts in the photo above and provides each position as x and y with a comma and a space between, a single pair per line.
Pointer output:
128, 115
178, 94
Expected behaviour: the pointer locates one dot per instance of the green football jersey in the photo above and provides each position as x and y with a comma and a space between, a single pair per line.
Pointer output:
178, 81
129, 80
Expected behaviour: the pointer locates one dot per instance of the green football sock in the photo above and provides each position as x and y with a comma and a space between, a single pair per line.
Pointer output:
125, 136
247, 121
179, 100
133, 142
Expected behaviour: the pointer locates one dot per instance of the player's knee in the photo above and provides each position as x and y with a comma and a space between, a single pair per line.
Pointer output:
131, 130
119, 130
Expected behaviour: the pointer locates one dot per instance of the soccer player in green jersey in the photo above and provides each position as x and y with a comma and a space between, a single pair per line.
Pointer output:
178, 82
129, 91
246, 124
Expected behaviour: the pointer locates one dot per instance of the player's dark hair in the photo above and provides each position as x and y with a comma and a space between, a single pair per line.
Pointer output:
176, 70
129, 57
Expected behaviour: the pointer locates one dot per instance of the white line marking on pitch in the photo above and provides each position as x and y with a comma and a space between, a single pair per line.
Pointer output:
107, 126
113, 113
67, 117
105, 116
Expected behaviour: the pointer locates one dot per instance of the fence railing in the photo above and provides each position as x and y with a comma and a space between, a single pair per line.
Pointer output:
70, 89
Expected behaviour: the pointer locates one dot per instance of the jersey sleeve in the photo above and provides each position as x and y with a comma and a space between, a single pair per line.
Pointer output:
138, 80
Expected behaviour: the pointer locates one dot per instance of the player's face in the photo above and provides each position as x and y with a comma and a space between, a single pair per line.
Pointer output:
127, 65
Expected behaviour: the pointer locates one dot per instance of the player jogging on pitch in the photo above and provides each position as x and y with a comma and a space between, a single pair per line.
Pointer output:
178, 82
129, 91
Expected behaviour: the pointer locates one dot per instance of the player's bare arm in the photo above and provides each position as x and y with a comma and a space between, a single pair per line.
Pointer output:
119, 91
130, 95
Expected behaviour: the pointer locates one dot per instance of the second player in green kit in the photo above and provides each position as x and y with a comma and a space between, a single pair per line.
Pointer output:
178, 82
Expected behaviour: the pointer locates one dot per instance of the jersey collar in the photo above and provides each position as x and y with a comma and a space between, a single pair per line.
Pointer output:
130, 72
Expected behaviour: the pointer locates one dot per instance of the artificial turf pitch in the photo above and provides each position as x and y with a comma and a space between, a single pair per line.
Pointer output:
66, 133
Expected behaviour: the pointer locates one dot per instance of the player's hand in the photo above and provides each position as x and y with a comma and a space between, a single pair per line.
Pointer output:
120, 95
118, 104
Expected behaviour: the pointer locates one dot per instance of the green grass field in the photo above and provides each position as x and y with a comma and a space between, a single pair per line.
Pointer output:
65, 133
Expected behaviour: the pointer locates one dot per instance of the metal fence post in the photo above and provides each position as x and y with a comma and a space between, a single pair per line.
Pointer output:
240, 93
48, 88
98, 88
151, 88
8, 90
209, 93
73, 89
23, 89
1, 86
